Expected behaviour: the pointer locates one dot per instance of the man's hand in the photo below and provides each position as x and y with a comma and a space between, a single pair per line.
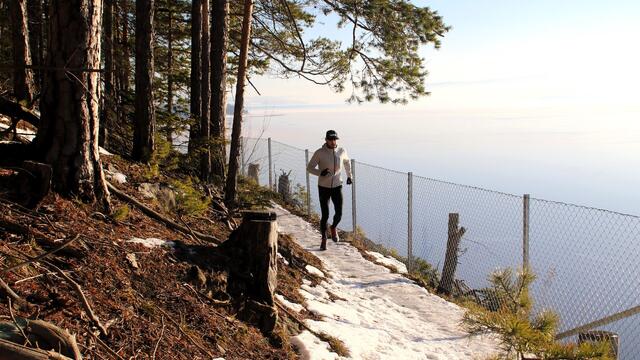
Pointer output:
349, 182
325, 172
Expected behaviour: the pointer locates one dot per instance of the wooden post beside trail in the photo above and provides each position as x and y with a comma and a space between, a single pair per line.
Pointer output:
254, 171
284, 186
451, 259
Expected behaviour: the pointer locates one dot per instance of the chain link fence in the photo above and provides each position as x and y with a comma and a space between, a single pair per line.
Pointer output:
585, 259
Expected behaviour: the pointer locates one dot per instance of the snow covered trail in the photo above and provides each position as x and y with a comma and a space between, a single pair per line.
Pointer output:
376, 313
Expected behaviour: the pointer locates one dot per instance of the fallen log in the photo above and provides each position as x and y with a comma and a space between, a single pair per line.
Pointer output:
17, 111
41, 239
13, 351
58, 338
157, 216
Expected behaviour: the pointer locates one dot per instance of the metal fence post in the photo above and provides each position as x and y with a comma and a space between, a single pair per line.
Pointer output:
306, 161
354, 222
410, 221
525, 231
270, 165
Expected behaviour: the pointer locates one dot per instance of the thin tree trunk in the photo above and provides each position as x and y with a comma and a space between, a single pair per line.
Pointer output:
108, 99
124, 44
36, 36
67, 138
22, 77
145, 122
196, 104
219, 44
169, 130
205, 151
232, 176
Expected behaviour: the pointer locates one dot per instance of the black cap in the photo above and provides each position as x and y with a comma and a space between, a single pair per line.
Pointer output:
331, 135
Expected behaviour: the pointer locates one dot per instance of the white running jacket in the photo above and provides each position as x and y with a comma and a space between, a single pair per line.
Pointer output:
332, 159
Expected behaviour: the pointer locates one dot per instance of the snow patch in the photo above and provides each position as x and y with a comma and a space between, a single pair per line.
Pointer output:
285, 261
314, 271
383, 316
312, 348
293, 306
116, 177
388, 261
152, 242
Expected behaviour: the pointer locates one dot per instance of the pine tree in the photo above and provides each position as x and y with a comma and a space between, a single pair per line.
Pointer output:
23, 80
145, 122
67, 138
520, 332
230, 189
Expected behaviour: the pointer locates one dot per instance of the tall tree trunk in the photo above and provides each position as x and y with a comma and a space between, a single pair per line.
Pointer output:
145, 121
125, 67
36, 37
232, 175
22, 77
108, 99
196, 43
67, 138
219, 44
169, 130
205, 151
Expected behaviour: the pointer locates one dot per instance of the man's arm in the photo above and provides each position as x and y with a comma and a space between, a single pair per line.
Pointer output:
347, 164
313, 163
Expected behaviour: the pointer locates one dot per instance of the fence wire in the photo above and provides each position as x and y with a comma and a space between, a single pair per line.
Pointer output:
585, 259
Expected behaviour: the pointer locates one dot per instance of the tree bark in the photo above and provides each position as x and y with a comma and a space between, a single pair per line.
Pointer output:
36, 37
169, 129
124, 45
67, 138
109, 95
219, 45
195, 104
205, 82
232, 176
145, 121
22, 77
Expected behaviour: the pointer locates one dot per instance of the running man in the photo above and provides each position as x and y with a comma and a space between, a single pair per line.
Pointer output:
327, 163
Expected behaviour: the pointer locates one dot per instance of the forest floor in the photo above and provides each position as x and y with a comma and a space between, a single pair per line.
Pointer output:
150, 296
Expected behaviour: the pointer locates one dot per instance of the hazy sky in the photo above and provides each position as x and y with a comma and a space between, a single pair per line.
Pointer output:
548, 85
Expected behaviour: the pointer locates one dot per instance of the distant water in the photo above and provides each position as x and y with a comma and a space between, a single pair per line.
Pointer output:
593, 162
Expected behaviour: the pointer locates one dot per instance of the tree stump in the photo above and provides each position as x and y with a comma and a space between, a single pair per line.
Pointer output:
254, 171
451, 258
253, 248
34, 183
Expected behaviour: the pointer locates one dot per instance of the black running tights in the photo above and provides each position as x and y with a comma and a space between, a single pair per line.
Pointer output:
335, 194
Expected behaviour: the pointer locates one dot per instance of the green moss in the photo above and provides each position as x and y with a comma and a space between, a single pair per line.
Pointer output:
121, 213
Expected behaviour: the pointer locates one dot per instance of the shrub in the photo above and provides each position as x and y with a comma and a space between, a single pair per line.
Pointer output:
189, 200
520, 332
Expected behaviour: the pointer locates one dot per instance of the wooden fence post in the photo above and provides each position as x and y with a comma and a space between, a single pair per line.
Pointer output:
451, 259
308, 199
270, 164
254, 172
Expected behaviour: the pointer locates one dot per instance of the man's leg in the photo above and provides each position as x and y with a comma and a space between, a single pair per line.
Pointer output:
336, 198
325, 195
